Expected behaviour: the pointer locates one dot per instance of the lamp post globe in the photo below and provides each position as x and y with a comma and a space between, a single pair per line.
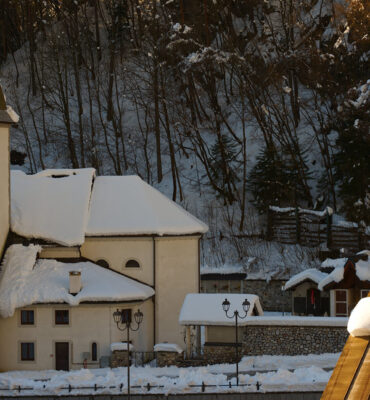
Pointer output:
246, 305
226, 305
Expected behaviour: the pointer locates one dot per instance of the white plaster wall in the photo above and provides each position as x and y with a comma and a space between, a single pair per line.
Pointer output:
4, 184
88, 323
118, 250
177, 273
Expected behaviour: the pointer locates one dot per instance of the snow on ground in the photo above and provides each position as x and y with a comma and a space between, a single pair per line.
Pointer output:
50, 208
359, 321
25, 281
135, 208
168, 347
201, 308
275, 373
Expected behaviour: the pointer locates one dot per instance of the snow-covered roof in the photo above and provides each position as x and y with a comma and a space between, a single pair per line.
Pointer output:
126, 205
54, 209
25, 281
359, 321
206, 308
168, 347
362, 268
63, 206
311, 274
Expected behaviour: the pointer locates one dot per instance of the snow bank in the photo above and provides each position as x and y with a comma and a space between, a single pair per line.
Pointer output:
120, 346
287, 320
359, 321
24, 283
311, 274
206, 308
135, 208
54, 209
170, 347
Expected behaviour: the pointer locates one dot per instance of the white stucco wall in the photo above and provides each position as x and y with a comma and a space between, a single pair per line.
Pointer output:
88, 323
177, 273
118, 250
4, 184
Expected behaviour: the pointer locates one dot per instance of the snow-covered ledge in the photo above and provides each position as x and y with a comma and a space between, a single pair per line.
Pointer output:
296, 321
168, 347
359, 321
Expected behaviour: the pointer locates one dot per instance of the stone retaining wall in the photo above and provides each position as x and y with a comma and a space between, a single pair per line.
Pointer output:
219, 354
293, 340
119, 359
165, 358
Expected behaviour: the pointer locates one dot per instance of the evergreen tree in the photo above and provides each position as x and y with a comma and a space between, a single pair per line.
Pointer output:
223, 166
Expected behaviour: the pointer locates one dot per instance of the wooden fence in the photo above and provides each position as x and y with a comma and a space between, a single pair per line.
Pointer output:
313, 228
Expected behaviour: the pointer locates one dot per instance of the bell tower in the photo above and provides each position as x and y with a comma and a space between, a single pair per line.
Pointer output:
7, 118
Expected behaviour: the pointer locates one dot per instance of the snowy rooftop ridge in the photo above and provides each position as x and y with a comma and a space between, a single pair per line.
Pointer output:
311, 274
64, 205
206, 308
55, 209
133, 207
25, 281
362, 271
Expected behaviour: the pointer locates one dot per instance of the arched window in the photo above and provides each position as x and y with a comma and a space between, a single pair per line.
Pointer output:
94, 351
103, 263
132, 264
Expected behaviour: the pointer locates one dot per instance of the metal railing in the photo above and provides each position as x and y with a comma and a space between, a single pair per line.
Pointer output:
148, 387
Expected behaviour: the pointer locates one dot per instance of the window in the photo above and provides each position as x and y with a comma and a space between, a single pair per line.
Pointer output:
103, 263
94, 352
341, 303
61, 317
27, 351
364, 293
132, 264
27, 317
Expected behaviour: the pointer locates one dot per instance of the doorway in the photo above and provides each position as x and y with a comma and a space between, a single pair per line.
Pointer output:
62, 356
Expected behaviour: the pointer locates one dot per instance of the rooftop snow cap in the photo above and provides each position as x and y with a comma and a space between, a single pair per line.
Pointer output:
126, 205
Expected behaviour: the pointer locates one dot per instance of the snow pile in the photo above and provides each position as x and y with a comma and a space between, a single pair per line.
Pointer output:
24, 283
206, 308
135, 208
359, 321
46, 207
363, 267
120, 346
17, 266
287, 320
168, 347
285, 373
333, 262
311, 274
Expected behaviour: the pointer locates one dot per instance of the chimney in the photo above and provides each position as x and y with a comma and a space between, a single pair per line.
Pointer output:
74, 282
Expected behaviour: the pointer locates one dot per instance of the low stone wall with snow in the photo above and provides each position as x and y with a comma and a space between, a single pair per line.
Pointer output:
119, 359
293, 340
217, 353
166, 358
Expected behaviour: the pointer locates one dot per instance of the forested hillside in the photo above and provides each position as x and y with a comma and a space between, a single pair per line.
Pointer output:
227, 106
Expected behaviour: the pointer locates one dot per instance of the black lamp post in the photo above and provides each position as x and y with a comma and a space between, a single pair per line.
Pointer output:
121, 317
226, 307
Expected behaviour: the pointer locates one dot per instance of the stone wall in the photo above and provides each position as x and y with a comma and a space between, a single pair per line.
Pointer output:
165, 358
271, 296
293, 340
220, 353
119, 359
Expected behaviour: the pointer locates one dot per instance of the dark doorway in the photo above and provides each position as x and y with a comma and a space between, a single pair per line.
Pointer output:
62, 356
313, 302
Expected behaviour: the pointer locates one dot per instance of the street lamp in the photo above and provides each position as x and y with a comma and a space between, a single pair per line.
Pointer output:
123, 318
226, 307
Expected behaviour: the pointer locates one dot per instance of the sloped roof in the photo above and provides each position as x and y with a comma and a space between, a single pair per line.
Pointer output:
50, 208
25, 281
206, 308
63, 206
126, 205
311, 274
361, 271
